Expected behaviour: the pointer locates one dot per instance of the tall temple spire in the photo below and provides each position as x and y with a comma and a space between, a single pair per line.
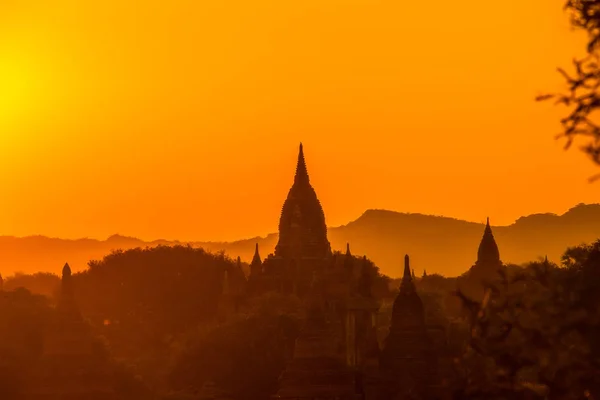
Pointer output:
349, 261
408, 336
256, 264
256, 257
66, 283
488, 252
407, 275
407, 284
302, 228
301, 171
66, 303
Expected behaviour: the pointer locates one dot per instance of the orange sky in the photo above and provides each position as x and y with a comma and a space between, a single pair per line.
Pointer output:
181, 119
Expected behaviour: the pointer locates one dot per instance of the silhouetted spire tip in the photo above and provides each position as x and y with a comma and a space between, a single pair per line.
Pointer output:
66, 270
407, 272
301, 172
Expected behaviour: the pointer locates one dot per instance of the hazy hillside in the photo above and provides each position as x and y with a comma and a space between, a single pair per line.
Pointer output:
439, 244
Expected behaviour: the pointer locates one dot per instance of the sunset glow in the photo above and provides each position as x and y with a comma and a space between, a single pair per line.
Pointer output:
181, 119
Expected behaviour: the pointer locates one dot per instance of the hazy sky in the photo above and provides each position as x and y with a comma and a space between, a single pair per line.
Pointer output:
181, 119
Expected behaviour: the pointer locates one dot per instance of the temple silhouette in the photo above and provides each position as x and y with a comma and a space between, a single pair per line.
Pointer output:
73, 365
338, 354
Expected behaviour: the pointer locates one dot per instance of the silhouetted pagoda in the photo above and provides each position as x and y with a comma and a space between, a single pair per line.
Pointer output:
74, 365
407, 363
302, 229
255, 284
488, 255
303, 247
337, 355
485, 269
256, 264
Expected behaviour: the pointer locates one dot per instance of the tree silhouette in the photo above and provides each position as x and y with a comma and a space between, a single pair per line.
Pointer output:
582, 97
535, 334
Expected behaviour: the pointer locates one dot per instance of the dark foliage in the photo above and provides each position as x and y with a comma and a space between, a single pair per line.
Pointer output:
39, 283
150, 294
141, 299
581, 96
535, 334
23, 317
245, 357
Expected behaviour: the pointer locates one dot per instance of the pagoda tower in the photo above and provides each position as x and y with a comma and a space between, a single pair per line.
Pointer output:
302, 229
486, 268
349, 264
302, 246
255, 281
256, 264
488, 255
407, 363
74, 365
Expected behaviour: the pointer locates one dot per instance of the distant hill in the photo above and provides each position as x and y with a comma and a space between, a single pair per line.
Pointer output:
439, 244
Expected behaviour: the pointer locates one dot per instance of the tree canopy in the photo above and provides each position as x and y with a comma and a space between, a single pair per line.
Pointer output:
581, 96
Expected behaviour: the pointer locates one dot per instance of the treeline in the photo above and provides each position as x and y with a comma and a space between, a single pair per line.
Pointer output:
535, 335
155, 310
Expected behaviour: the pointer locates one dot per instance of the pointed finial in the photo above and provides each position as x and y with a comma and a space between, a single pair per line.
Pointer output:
66, 271
407, 285
239, 260
66, 287
413, 273
301, 172
349, 260
407, 274
546, 259
488, 228
256, 264
424, 273
256, 258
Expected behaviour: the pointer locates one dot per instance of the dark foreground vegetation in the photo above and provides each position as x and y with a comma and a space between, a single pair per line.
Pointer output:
535, 334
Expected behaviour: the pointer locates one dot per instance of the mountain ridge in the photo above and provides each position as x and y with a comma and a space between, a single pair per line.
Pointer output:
439, 244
